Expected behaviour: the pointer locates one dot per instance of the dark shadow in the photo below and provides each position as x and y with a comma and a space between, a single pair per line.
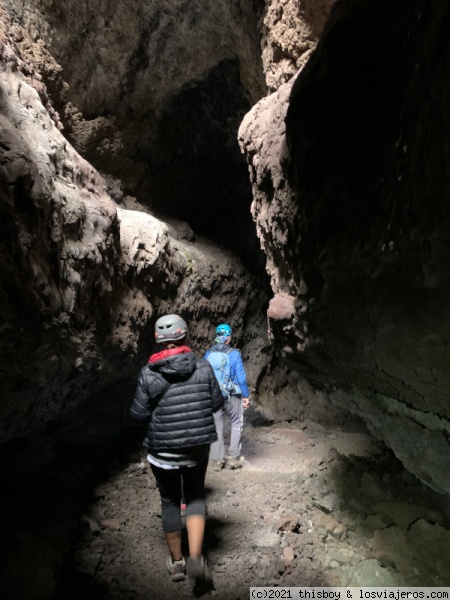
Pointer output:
194, 167
76, 586
46, 488
254, 417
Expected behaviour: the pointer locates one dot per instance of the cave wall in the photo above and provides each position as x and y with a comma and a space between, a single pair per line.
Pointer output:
152, 94
290, 30
351, 208
83, 279
87, 267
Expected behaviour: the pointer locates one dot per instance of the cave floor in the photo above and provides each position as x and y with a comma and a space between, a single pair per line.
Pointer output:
309, 507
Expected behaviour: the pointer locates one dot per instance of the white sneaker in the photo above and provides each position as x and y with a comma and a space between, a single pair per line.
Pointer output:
177, 569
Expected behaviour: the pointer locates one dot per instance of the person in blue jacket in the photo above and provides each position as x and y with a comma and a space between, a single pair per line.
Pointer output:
234, 405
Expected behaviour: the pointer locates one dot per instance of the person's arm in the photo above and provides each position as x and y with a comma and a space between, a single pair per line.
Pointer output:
241, 379
141, 407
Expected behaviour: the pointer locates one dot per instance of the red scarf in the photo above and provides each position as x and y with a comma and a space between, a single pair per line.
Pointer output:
166, 353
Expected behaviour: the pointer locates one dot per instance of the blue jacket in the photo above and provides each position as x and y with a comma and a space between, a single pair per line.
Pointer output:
237, 367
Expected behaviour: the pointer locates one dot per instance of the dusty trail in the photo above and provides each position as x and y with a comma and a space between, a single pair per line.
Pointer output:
309, 508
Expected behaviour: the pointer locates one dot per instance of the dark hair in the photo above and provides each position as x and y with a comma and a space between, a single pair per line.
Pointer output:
174, 343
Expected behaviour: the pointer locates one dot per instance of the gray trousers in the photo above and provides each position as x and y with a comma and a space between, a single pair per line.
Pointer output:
233, 407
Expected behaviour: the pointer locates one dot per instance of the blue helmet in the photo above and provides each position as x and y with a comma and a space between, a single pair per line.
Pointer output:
223, 329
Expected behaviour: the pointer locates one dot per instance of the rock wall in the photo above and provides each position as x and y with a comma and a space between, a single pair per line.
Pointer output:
153, 102
351, 208
130, 56
87, 267
262, 138
151, 94
290, 30
83, 279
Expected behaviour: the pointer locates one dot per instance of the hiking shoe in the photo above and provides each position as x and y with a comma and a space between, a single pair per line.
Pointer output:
177, 569
233, 463
217, 465
197, 569
240, 458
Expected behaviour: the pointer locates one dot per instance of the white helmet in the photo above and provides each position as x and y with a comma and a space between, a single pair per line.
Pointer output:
170, 328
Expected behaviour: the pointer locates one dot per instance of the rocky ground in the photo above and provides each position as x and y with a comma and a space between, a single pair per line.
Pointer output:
310, 507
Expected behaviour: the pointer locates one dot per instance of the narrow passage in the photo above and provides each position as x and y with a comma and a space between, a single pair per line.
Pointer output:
310, 507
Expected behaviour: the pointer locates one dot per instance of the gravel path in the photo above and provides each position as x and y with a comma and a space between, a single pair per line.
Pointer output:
310, 507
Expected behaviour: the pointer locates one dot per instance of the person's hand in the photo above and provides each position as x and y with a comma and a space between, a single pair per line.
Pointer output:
245, 403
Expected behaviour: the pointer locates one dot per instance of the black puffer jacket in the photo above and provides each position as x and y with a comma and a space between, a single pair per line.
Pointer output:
178, 396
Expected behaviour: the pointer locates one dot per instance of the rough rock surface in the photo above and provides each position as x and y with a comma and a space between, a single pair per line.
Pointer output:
137, 60
262, 136
351, 207
290, 31
151, 94
83, 279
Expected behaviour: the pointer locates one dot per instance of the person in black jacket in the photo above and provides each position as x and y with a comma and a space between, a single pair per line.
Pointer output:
177, 394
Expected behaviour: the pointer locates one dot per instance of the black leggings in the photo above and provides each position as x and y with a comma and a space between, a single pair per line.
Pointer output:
170, 484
